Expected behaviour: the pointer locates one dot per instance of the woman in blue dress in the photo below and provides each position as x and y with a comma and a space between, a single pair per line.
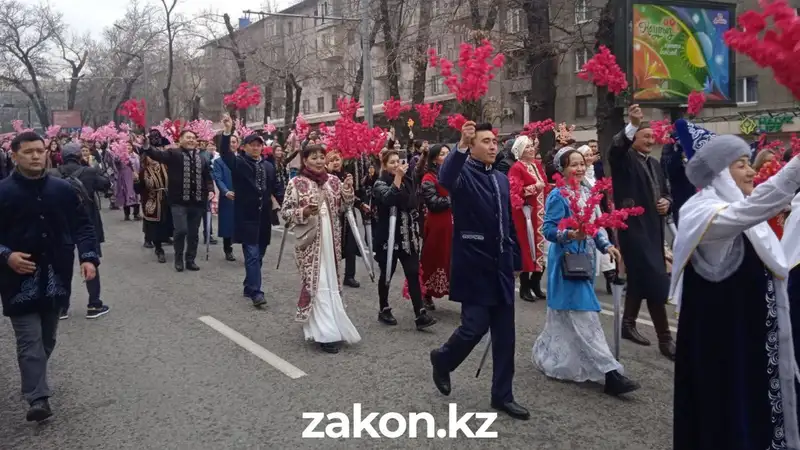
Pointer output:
572, 345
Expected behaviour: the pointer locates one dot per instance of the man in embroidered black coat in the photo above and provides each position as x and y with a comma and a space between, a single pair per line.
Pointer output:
485, 256
255, 183
188, 191
639, 181
42, 220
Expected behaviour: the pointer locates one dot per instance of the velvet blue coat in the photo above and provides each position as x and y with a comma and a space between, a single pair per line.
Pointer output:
485, 252
44, 218
563, 294
224, 181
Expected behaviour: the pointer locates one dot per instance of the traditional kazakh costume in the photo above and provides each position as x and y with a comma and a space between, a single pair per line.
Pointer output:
735, 369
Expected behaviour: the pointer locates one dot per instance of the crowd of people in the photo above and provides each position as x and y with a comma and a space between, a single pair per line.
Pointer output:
450, 217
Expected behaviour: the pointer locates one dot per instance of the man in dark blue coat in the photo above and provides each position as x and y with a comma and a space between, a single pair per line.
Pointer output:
485, 256
42, 220
255, 183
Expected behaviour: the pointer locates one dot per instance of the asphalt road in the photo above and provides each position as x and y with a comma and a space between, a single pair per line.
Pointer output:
152, 375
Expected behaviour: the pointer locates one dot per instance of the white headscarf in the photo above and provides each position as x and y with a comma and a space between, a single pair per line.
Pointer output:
520, 143
585, 150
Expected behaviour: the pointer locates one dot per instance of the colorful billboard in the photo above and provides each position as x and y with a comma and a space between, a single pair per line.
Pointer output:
679, 49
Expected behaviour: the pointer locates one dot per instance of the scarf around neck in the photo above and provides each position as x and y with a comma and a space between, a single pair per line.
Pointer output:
318, 177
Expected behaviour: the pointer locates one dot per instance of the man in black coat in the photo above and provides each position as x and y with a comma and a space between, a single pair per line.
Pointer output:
190, 184
638, 180
42, 221
485, 256
93, 181
255, 183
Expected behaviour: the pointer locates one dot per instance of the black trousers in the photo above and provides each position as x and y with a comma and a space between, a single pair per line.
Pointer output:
227, 245
186, 220
350, 266
410, 265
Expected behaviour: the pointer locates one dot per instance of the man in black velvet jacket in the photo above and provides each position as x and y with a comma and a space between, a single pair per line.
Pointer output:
42, 220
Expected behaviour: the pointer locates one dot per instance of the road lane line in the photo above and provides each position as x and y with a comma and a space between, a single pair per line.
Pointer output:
262, 353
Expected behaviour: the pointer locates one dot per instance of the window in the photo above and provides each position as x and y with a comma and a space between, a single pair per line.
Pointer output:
437, 85
747, 89
334, 99
351, 37
306, 107
581, 56
351, 67
582, 106
581, 11
290, 27
320, 104
514, 21
515, 67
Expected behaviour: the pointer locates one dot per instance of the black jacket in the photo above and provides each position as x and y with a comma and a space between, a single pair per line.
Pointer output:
385, 196
189, 175
94, 182
252, 209
433, 201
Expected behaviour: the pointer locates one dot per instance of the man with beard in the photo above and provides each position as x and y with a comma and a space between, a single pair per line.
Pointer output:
639, 181
485, 256
255, 183
190, 184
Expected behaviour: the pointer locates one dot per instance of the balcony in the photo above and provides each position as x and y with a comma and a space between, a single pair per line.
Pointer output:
334, 80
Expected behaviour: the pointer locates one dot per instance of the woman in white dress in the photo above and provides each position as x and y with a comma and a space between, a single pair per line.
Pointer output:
311, 207
572, 345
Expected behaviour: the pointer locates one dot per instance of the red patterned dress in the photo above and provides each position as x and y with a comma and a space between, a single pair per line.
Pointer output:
525, 175
437, 238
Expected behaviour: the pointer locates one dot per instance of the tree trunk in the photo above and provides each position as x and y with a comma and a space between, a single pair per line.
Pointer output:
234, 48
541, 64
421, 57
610, 118
267, 101
298, 93
196, 107
373, 34
288, 114
392, 63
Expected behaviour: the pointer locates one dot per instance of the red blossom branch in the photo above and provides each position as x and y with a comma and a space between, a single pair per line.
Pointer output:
456, 121
602, 70
476, 69
135, 111
392, 108
696, 101
536, 129
245, 96
662, 131
582, 218
428, 113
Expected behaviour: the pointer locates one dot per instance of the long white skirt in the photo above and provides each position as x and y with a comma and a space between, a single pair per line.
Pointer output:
573, 347
328, 321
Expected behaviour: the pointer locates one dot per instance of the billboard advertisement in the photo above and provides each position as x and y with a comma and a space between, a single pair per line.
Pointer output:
677, 48
67, 118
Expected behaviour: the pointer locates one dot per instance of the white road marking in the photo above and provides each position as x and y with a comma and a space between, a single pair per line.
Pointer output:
262, 353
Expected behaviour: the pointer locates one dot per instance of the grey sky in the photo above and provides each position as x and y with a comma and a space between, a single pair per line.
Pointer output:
94, 15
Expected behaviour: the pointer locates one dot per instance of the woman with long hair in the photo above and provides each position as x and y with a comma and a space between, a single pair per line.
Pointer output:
155, 207
334, 166
394, 194
438, 227
312, 206
572, 345
54, 153
528, 173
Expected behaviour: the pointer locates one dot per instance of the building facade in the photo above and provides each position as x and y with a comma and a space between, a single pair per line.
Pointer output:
311, 41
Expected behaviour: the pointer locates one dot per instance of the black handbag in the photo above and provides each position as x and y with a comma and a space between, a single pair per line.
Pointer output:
576, 266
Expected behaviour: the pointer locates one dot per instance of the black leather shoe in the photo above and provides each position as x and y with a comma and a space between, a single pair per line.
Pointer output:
351, 282
441, 376
190, 265
526, 295
513, 409
630, 333
618, 384
179, 265
387, 317
229, 257
667, 348
424, 321
39, 410
329, 347
148, 244
259, 300
162, 258
428, 303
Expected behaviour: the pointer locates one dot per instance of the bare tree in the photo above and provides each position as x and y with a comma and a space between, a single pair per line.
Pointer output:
75, 51
172, 29
27, 33
610, 118
423, 42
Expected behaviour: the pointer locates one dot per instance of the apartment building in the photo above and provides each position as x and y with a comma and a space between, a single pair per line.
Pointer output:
323, 52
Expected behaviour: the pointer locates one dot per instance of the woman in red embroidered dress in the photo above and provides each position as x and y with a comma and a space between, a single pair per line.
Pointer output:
438, 230
777, 222
527, 179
